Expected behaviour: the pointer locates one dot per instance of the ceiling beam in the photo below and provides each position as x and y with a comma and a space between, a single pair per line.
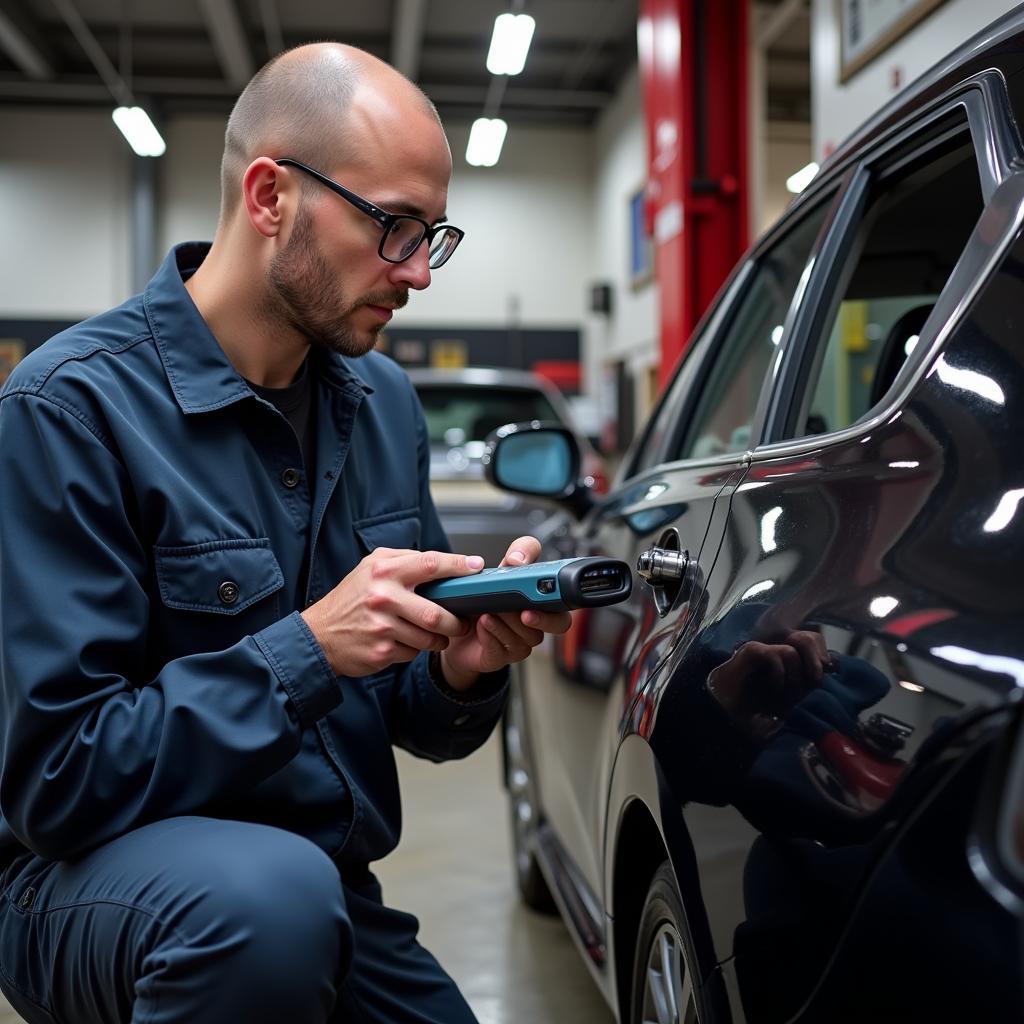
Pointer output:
410, 17
229, 41
22, 41
100, 61
86, 89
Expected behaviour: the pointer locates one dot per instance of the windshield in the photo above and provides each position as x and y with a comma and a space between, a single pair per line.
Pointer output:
457, 414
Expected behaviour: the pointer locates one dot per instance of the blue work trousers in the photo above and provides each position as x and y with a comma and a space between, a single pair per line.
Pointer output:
205, 921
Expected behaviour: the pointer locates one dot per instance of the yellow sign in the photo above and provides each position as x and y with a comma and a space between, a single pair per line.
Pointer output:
448, 354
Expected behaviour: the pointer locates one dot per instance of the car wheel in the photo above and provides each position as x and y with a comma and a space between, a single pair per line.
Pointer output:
663, 983
522, 795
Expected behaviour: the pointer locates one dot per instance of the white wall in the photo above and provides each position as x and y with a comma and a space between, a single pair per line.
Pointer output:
631, 332
66, 177
64, 198
837, 110
529, 234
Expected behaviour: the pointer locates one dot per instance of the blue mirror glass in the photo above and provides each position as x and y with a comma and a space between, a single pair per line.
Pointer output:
539, 462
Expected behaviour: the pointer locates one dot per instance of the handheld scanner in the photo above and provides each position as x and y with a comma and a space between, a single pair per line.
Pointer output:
544, 586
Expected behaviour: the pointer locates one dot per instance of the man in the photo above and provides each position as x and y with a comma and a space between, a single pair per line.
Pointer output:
214, 514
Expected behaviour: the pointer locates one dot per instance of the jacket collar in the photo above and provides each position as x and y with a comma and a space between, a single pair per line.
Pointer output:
198, 370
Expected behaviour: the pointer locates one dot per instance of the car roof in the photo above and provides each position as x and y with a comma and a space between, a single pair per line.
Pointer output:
479, 377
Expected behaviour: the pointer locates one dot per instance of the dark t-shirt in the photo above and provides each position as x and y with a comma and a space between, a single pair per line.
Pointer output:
295, 403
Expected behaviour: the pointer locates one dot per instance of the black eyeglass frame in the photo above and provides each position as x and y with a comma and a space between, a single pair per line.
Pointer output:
382, 217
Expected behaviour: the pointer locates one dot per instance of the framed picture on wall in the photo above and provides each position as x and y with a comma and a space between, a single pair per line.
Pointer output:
641, 248
12, 350
869, 27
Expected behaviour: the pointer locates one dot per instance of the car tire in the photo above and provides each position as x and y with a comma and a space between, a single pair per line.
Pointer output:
663, 990
522, 802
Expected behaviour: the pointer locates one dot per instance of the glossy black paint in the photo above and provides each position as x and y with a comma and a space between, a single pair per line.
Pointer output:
834, 844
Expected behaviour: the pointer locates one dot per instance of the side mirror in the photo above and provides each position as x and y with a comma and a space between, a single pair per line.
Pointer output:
539, 459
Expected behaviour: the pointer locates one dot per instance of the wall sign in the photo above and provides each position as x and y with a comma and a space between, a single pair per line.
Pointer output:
868, 27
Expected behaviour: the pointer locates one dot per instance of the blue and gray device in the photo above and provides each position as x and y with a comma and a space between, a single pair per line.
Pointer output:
587, 582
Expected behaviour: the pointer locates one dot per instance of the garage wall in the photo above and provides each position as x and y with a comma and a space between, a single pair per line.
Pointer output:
837, 109
64, 186
630, 332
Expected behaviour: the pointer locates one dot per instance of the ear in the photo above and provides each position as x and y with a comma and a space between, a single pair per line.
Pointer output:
267, 196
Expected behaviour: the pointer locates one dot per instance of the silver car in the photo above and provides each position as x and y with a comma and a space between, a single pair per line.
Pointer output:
462, 407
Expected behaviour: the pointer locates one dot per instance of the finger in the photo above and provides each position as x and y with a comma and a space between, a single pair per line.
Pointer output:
515, 647
548, 622
525, 633
522, 551
406, 634
412, 567
430, 616
813, 655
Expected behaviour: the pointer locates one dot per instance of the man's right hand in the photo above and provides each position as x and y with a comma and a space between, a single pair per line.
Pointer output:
373, 619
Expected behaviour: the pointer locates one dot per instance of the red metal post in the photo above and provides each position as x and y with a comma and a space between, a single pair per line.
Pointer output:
693, 64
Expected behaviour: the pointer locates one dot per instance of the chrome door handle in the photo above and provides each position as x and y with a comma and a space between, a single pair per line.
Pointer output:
658, 566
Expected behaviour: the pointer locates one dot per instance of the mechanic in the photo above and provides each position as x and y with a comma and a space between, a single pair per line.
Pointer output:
214, 512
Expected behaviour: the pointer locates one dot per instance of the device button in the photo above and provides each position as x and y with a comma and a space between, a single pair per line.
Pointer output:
546, 585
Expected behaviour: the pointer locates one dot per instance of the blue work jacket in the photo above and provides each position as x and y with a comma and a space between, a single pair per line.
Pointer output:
155, 524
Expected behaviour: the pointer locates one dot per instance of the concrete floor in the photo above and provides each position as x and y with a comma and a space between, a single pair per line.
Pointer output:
453, 870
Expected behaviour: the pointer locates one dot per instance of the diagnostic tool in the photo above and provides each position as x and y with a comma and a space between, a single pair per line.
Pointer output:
587, 582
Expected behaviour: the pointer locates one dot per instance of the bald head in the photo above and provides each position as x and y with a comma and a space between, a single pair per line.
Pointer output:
299, 104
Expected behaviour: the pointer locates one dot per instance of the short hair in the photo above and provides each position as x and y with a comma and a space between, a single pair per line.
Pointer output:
289, 108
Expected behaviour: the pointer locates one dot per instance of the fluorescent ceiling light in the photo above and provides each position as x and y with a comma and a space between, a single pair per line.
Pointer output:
140, 132
510, 43
485, 141
799, 181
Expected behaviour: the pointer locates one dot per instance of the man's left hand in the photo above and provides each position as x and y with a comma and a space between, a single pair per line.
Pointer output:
499, 640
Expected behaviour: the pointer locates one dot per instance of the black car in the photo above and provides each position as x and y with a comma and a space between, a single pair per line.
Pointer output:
784, 781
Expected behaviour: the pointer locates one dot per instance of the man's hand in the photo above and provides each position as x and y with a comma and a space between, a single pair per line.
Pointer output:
760, 683
372, 618
495, 641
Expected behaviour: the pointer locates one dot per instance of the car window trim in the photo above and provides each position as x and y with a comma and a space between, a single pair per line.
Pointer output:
723, 321
972, 273
976, 99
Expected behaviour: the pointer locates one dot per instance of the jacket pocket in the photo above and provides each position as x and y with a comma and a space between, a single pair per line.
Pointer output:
222, 577
391, 530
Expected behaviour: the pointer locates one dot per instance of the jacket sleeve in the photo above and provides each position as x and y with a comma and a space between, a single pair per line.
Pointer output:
90, 747
424, 719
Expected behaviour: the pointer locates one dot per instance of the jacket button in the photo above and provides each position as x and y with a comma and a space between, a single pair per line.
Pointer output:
228, 592
290, 477
460, 720
28, 897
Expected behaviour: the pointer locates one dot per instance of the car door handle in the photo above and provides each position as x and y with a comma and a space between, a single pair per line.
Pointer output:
658, 566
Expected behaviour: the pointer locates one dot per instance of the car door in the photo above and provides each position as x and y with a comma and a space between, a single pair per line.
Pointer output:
861, 521
672, 498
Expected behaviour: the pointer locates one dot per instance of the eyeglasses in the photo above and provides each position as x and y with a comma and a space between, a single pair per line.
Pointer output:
402, 234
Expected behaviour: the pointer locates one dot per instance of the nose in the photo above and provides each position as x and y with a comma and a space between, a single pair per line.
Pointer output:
413, 272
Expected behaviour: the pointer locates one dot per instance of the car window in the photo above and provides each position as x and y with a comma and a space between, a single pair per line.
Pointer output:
457, 414
729, 395
916, 222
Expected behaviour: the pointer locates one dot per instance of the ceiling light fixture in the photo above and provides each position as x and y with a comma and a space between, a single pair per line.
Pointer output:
510, 44
485, 141
132, 121
139, 131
